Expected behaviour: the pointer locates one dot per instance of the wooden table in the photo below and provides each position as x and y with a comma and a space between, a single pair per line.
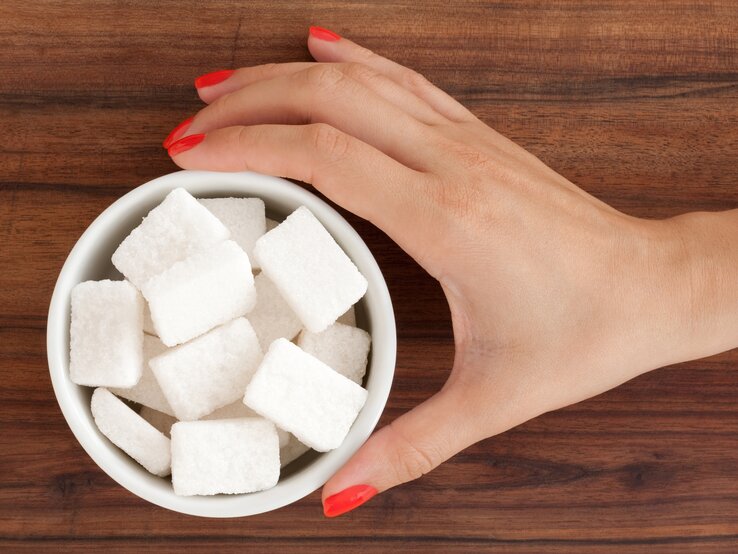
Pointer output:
637, 102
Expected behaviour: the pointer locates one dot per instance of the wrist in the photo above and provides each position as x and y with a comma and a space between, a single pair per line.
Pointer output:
699, 252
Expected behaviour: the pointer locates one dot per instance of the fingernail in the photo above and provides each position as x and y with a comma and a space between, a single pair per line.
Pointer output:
210, 79
184, 144
177, 132
324, 34
347, 500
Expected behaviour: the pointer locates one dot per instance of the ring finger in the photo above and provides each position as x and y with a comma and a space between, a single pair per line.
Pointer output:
323, 94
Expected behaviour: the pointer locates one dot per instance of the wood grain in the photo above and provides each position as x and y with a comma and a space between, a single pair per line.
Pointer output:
636, 102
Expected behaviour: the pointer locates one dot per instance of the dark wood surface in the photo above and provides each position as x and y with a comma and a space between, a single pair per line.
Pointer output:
637, 102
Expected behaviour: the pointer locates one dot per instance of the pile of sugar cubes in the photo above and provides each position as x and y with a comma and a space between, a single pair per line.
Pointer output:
226, 377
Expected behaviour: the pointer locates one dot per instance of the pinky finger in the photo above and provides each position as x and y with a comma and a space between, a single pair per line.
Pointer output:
333, 48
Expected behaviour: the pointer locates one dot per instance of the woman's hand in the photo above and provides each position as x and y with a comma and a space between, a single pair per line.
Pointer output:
554, 296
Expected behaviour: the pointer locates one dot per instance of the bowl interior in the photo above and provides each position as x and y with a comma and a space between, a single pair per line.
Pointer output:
90, 259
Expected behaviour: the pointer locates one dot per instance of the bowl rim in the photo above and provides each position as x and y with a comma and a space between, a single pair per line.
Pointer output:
293, 487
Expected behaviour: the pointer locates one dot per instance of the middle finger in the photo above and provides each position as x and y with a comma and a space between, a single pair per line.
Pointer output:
323, 94
369, 77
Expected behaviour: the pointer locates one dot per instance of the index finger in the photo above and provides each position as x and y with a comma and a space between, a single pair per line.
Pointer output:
348, 171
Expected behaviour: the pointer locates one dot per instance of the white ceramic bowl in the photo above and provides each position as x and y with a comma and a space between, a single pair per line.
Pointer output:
90, 259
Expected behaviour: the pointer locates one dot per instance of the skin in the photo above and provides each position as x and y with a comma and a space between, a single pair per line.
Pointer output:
555, 296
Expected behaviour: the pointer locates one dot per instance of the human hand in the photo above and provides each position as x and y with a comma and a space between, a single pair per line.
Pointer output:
554, 296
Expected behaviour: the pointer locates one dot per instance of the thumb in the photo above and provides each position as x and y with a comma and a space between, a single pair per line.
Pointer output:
406, 449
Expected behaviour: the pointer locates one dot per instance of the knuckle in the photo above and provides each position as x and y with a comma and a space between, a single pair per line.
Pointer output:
360, 72
244, 137
267, 70
240, 141
414, 81
459, 205
329, 140
413, 460
416, 464
322, 76
468, 156
473, 158
223, 107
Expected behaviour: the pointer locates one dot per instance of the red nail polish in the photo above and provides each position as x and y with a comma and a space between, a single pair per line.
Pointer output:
177, 132
184, 144
324, 34
210, 79
347, 500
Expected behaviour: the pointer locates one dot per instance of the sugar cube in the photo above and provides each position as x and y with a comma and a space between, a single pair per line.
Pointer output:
148, 324
210, 371
340, 347
302, 395
308, 267
106, 334
243, 217
272, 318
161, 421
147, 391
200, 292
348, 318
130, 432
237, 410
271, 224
289, 452
174, 230
228, 456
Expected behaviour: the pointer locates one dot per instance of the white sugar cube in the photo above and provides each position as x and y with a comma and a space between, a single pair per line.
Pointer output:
161, 421
272, 318
147, 391
308, 267
237, 410
106, 334
228, 456
349, 318
148, 324
174, 230
209, 372
243, 217
130, 432
340, 347
302, 395
200, 292
292, 450
271, 224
